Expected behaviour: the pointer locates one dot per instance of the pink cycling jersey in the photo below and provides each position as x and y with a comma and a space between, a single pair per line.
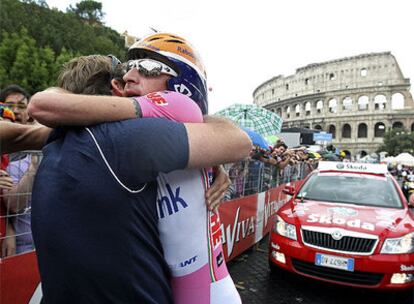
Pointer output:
190, 234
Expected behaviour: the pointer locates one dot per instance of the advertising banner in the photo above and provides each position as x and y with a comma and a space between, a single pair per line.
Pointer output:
19, 278
238, 225
245, 221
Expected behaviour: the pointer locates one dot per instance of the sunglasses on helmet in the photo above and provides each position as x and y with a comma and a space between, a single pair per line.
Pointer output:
150, 67
114, 61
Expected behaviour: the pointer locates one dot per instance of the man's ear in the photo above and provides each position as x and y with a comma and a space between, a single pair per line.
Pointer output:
117, 87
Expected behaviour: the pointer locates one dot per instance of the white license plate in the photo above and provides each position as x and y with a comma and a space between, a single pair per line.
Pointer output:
336, 262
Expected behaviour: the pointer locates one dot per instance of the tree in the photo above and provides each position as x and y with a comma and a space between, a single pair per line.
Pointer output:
23, 63
36, 41
41, 3
88, 10
397, 141
59, 30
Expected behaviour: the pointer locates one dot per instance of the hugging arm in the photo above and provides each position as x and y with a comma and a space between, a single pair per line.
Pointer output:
53, 109
16, 137
214, 142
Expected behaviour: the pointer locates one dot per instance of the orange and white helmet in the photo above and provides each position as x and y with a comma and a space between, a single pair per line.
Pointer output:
181, 56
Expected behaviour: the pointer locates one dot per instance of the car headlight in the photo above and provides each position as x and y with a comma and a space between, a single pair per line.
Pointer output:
285, 229
403, 244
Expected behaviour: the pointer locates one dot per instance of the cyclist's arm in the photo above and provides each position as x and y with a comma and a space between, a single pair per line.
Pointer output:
62, 109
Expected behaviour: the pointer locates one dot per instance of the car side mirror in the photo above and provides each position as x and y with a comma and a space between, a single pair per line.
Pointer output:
411, 201
290, 190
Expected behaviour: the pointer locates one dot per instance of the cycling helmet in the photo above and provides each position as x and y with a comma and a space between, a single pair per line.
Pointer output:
181, 56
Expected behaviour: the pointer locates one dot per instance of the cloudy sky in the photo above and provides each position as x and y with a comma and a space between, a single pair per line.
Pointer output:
244, 43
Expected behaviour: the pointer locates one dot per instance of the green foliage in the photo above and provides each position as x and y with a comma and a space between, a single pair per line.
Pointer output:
397, 141
22, 62
36, 41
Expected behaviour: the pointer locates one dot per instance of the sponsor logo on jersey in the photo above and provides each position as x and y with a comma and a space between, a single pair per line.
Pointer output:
219, 259
182, 88
327, 219
188, 262
171, 203
157, 99
185, 263
215, 230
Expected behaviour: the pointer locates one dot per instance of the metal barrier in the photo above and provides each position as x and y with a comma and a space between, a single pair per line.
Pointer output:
15, 205
253, 176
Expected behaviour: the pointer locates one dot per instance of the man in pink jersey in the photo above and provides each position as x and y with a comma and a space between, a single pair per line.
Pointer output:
190, 234
195, 255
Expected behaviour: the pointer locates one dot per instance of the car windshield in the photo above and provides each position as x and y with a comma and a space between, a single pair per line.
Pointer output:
356, 189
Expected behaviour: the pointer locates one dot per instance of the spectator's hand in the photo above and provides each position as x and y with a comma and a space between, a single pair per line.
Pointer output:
6, 182
34, 164
218, 189
9, 243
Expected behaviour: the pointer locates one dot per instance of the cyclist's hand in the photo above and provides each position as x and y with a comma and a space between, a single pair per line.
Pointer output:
215, 194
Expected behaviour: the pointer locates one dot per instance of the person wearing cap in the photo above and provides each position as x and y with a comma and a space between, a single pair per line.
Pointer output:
17, 99
211, 155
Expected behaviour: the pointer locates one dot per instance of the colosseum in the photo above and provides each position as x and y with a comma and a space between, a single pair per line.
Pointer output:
356, 99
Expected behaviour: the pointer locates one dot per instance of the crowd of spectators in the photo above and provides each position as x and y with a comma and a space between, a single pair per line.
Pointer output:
265, 169
405, 176
279, 164
16, 179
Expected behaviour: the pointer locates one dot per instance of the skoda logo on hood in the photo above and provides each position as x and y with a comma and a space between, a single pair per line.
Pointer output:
337, 235
343, 211
340, 166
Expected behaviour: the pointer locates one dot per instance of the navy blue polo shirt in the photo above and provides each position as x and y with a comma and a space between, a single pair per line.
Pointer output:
96, 241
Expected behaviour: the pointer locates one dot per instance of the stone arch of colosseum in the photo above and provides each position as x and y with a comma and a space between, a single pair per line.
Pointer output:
367, 94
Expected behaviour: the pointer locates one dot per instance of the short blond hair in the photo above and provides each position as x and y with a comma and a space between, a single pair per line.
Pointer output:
89, 75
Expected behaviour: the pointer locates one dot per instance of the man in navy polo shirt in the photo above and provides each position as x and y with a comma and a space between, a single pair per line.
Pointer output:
109, 223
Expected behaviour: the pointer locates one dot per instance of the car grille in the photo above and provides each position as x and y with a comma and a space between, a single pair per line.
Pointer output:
346, 243
356, 277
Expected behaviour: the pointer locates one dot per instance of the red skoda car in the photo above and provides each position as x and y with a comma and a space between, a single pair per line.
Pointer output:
348, 224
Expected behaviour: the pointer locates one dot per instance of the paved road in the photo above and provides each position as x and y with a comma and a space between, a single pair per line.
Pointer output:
258, 285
